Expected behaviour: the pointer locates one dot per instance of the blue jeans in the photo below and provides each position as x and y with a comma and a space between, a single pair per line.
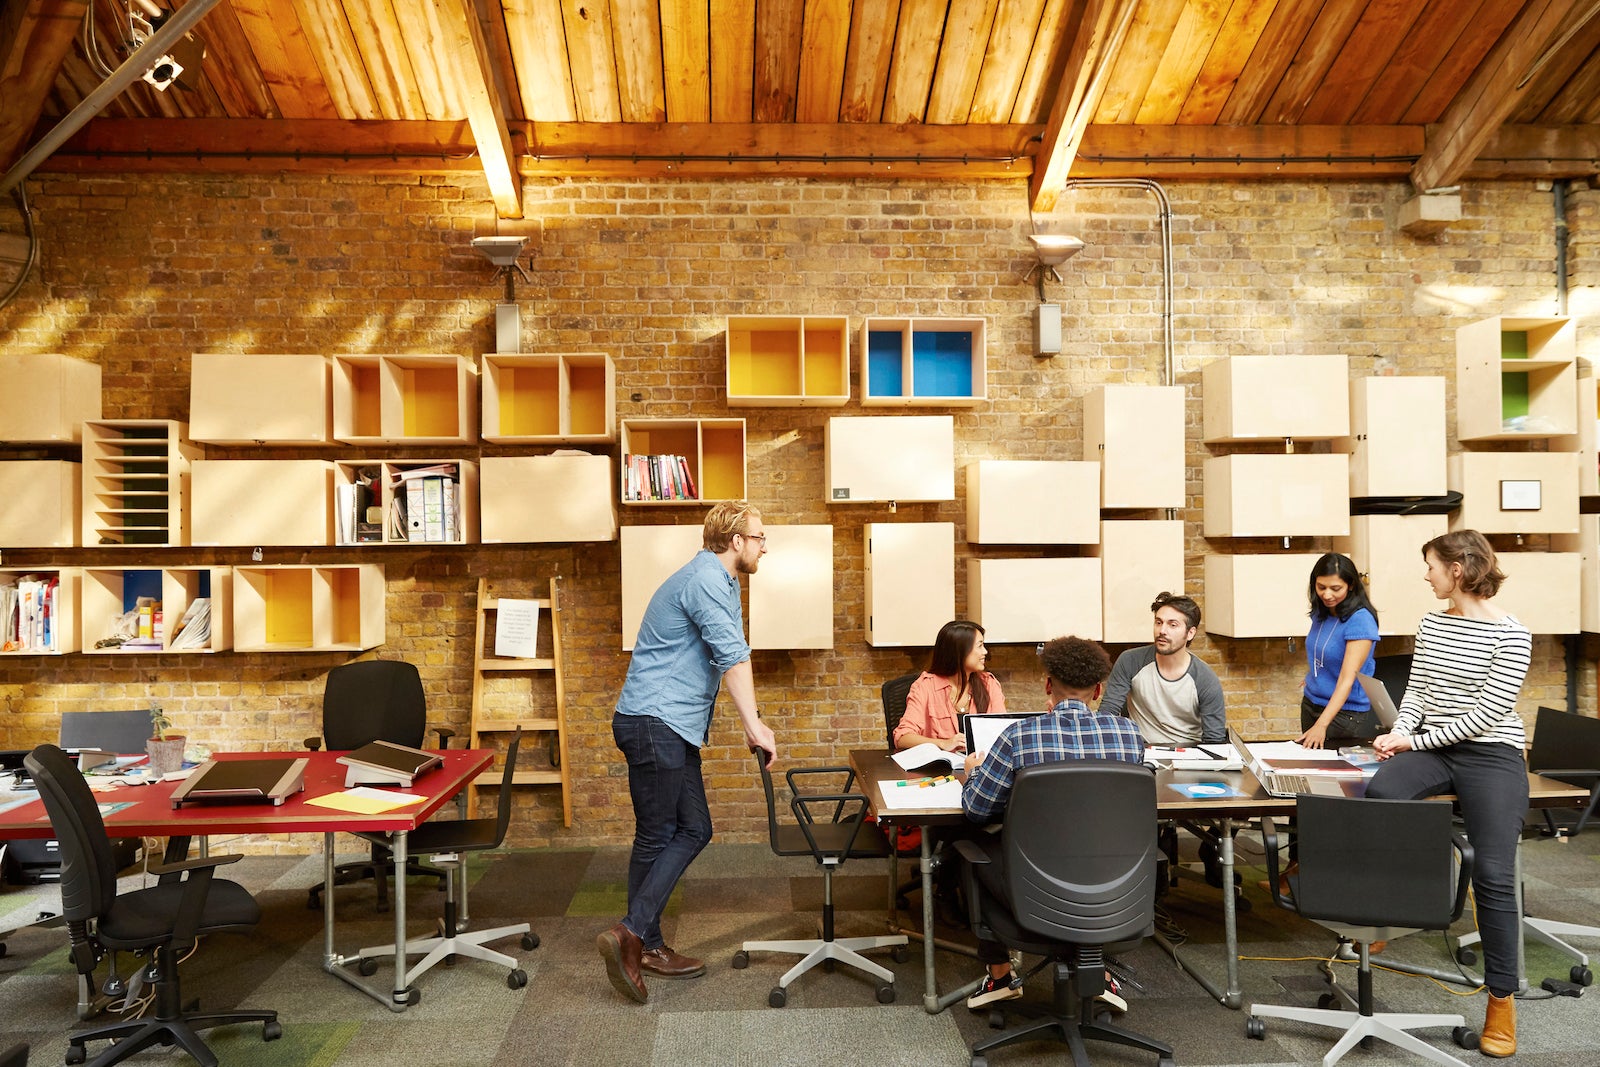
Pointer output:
1491, 784
671, 822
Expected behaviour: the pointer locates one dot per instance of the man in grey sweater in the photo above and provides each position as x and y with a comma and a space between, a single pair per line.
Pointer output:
1173, 697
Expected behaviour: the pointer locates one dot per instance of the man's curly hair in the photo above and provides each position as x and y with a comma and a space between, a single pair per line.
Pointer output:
1075, 663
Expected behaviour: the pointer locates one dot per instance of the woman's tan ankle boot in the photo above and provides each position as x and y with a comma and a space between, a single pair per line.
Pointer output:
1499, 1037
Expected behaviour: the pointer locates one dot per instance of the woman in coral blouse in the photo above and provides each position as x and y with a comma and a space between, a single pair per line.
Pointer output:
955, 683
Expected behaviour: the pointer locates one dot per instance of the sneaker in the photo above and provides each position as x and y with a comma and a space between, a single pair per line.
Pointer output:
995, 989
1112, 997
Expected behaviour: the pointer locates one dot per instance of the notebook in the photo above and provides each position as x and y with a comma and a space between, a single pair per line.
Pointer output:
1289, 783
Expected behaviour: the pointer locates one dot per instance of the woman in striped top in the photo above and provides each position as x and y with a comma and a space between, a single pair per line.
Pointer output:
1458, 731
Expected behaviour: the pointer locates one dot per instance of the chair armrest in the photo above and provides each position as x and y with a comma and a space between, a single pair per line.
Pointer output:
847, 787
445, 734
969, 851
972, 857
801, 806
176, 866
1570, 772
1269, 844
1463, 848
191, 905
314, 743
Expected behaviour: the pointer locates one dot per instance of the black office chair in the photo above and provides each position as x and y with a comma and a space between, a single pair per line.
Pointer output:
438, 839
374, 700
1071, 895
1566, 747
1395, 674
167, 918
829, 837
1372, 870
893, 694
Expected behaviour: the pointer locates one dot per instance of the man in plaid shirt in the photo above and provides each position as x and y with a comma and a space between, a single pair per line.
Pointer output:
1075, 675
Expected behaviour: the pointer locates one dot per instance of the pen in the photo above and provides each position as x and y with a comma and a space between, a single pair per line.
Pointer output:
924, 782
1208, 752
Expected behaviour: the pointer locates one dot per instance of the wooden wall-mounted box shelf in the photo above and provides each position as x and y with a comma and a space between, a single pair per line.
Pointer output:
712, 450
1258, 595
549, 399
1387, 551
42, 503
542, 499
1515, 492
422, 501
1271, 398
791, 593
401, 400
1139, 559
910, 581
1543, 590
1277, 495
110, 593
882, 458
47, 398
1136, 432
928, 362
1397, 442
308, 608
268, 502
1586, 545
651, 555
237, 399
136, 483
1516, 379
1033, 502
787, 360
1023, 601
62, 634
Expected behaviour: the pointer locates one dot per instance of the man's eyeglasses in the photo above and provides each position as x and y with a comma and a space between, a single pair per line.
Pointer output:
755, 537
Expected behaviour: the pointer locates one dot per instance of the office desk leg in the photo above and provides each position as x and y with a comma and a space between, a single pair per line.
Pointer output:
930, 983
1233, 995
399, 998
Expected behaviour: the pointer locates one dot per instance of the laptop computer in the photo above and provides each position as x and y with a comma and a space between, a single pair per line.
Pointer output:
1289, 783
981, 730
1382, 703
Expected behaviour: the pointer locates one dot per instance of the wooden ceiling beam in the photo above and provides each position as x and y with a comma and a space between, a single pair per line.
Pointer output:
468, 52
1494, 91
35, 38
1538, 151
1235, 152
1089, 63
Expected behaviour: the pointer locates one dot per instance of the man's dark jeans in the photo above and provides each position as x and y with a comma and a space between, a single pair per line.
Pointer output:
671, 822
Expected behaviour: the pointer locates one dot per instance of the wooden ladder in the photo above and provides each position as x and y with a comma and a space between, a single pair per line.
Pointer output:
488, 722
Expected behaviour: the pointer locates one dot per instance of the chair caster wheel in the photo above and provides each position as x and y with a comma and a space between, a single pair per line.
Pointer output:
271, 1030
1466, 957
517, 979
1580, 975
75, 1054
778, 997
313, 900
413, 995
980, 1061
383, 906
530, 941
997, 1019
2, 949
1255, 1029
902, 904
1327, 1000
741, 960
886, 994
1464, 1037
367, 968
900, 954
1241, 903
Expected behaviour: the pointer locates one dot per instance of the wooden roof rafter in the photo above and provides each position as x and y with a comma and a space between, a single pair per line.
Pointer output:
468, 52
1089, 62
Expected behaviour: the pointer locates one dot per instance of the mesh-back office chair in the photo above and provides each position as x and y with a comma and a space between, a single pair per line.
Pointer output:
894, 693
1372, 870
366, 701
1395, 673
830, 828
1071, 894
167, 918
438, 839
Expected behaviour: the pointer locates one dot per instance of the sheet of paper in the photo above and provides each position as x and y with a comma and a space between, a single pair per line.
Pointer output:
926, 753
365, 801
16, 800
516, 629
947, 794
1271, 750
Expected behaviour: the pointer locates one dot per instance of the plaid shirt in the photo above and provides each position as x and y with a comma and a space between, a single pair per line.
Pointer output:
1070, 731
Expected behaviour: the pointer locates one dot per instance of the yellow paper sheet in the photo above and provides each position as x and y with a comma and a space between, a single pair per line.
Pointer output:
366, 801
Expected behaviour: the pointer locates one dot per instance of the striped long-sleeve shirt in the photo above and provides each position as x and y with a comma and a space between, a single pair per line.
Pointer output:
1465, 676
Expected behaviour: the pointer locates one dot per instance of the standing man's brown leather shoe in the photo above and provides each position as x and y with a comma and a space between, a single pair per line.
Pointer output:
621, 948
1499, 1037
665, 963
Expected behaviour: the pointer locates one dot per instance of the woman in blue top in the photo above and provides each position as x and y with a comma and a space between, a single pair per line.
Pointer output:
1344, 630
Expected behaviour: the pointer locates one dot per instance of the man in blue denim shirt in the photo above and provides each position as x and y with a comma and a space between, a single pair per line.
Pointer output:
691, 642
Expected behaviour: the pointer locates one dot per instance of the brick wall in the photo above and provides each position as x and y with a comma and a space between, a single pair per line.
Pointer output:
138, 273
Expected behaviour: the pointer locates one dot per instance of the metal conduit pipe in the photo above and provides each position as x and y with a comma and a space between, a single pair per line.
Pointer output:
1572, 644
1169, 375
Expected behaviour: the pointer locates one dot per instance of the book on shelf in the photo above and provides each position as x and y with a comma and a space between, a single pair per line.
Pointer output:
27, 612
658, 477
194, 629
386, 763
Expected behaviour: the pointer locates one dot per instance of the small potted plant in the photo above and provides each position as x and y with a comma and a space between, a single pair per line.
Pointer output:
165, 749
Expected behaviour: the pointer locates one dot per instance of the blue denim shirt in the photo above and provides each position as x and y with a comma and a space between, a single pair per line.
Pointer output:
691, 634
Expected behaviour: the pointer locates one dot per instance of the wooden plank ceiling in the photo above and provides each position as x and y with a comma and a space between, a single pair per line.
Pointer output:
1434, 91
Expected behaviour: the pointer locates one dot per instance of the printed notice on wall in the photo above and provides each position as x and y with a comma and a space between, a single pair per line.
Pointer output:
516, 629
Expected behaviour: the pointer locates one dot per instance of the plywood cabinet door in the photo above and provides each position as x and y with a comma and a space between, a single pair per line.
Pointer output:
910, 581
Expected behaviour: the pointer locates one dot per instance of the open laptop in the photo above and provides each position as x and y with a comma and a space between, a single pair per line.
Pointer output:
1382, 703
981, 730
1290, 783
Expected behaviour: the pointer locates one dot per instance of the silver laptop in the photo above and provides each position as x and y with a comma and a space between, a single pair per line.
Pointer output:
1382, 703
1290, 783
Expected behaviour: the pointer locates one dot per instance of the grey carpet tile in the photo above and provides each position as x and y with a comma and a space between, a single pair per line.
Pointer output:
881, 1036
